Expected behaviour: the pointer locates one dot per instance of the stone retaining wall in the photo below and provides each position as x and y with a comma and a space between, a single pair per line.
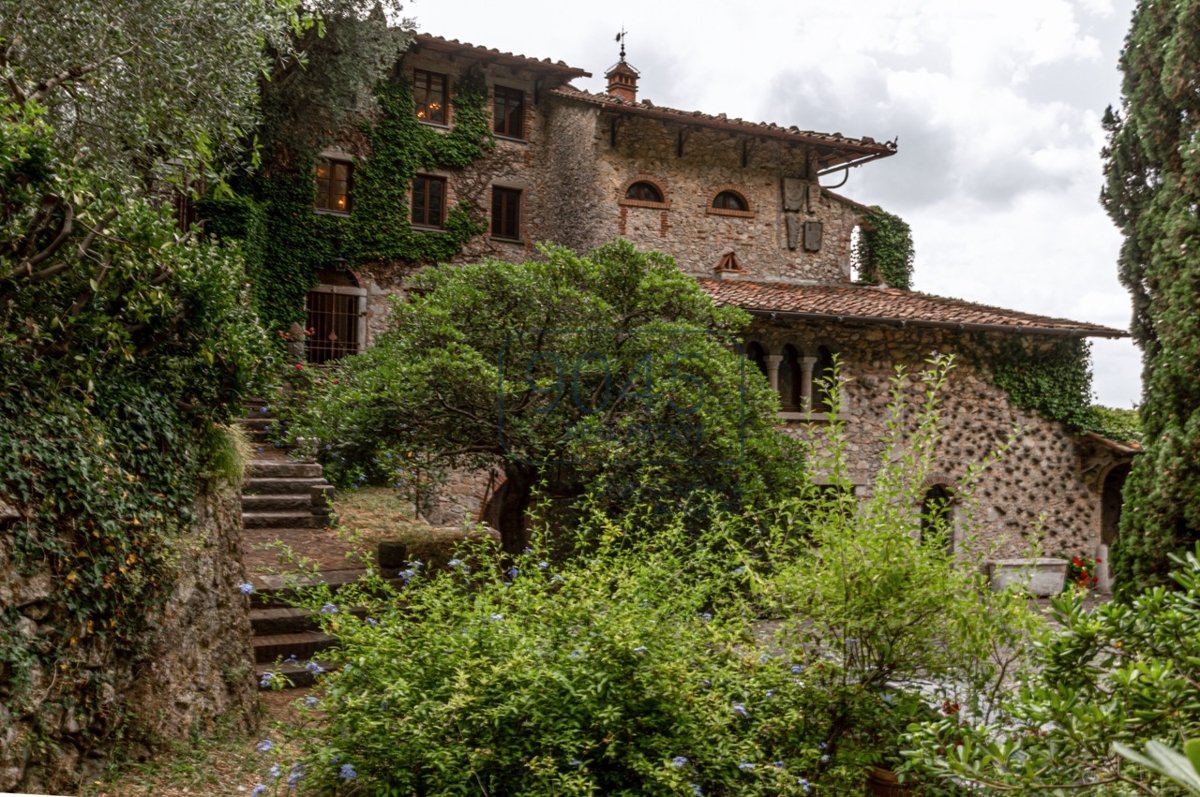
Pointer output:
197, 672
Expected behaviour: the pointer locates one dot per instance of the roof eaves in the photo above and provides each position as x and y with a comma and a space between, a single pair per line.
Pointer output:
442, 44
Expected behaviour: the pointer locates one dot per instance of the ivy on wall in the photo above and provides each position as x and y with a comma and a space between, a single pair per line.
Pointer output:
1052, 376
287, 242
884, 249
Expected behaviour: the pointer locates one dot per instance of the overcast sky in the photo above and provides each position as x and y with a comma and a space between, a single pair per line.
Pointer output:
997, 107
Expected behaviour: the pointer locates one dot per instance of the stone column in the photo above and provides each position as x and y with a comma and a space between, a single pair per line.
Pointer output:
773, 362
807, 364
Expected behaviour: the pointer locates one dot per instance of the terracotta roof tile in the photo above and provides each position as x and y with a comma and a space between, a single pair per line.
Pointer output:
855, 147
443, 44
874, 305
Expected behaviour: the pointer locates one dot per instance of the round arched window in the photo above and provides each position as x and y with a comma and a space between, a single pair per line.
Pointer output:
730, 200
644, 192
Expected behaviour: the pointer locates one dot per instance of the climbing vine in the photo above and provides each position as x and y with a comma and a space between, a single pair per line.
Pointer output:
1050, 376
884, 249
287, 242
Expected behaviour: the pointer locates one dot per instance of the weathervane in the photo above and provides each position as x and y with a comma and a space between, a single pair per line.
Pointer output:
621, 38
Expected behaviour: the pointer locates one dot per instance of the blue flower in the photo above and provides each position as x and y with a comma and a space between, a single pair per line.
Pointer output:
739, 569
311, 701
640, 649
291, 659
497, 617
407, 575
246, 587
705, 616
740, 710
746, 766
557, 579
275, 771
266, 680
575, 762
455, 563
328, 446
825, 758
295, 775
764, 658
416, 564
347, 772
262, 410
797, 669
822, 745
576, 654
329, 608
258, 790
779, 765
697, 791
513, 572
371, 621
543, 565
679, 761
314, 668
264, 746
804, 784
770, 693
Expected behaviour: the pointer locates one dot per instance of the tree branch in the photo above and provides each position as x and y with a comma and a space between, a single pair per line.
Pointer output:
73, 73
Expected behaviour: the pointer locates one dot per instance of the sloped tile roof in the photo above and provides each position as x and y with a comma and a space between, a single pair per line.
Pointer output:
854, 147
890, 306
441, 44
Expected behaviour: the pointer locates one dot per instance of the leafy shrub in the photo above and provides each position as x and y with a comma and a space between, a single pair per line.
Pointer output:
1122, 673
623, 674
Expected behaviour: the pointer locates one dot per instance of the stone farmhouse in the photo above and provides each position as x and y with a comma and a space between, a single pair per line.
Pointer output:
742, 208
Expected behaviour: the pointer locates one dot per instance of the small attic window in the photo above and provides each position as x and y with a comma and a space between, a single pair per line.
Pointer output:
643, 191
730, 200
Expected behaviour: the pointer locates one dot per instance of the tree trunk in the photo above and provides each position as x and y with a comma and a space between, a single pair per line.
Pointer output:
513, 499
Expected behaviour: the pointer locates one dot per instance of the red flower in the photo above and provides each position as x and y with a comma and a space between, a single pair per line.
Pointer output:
299, 367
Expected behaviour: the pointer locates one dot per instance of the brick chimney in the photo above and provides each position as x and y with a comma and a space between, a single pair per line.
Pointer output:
622, 81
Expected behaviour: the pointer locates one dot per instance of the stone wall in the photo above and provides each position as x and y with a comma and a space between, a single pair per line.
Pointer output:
1038, 487
197, 672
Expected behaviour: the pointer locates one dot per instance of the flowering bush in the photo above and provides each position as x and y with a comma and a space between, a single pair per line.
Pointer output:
629, 673
1081, 571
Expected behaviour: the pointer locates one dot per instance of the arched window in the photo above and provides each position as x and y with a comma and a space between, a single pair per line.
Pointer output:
937, 515
644, 191
757, 355
823, 372
730, 200
791, 380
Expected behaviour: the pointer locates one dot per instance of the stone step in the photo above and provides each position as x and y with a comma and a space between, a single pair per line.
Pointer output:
284, 520
304, 645
281, 620
287, 620
297, 674
286, 486
257, 423
274, 591
283, 469
277, 502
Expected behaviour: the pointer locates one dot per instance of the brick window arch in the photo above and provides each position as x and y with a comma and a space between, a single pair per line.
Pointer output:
645, 192
730, 200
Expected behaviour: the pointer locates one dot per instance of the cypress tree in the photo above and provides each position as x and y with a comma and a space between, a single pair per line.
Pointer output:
1152, 193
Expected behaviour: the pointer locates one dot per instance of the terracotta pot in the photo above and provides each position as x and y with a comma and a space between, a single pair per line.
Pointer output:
882, 783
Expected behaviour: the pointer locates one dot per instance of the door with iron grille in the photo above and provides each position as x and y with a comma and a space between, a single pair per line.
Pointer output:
336, 321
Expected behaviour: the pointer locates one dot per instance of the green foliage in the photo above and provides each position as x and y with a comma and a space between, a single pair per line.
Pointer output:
1115, 423
884, 249
638, 670
131, 86
1153, 189
1052, 376
1122, 673
586, 374
291, 242
123, 348
1183, 769
896, 598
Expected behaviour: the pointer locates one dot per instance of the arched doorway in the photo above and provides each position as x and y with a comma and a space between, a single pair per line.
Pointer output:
1110, 503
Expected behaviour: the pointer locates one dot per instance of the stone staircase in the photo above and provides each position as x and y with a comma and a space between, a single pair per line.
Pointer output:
286, 501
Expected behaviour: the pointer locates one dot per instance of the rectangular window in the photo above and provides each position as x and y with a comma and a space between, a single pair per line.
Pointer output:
506, 213
333, 185
508, 115
429, 96
428, 200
